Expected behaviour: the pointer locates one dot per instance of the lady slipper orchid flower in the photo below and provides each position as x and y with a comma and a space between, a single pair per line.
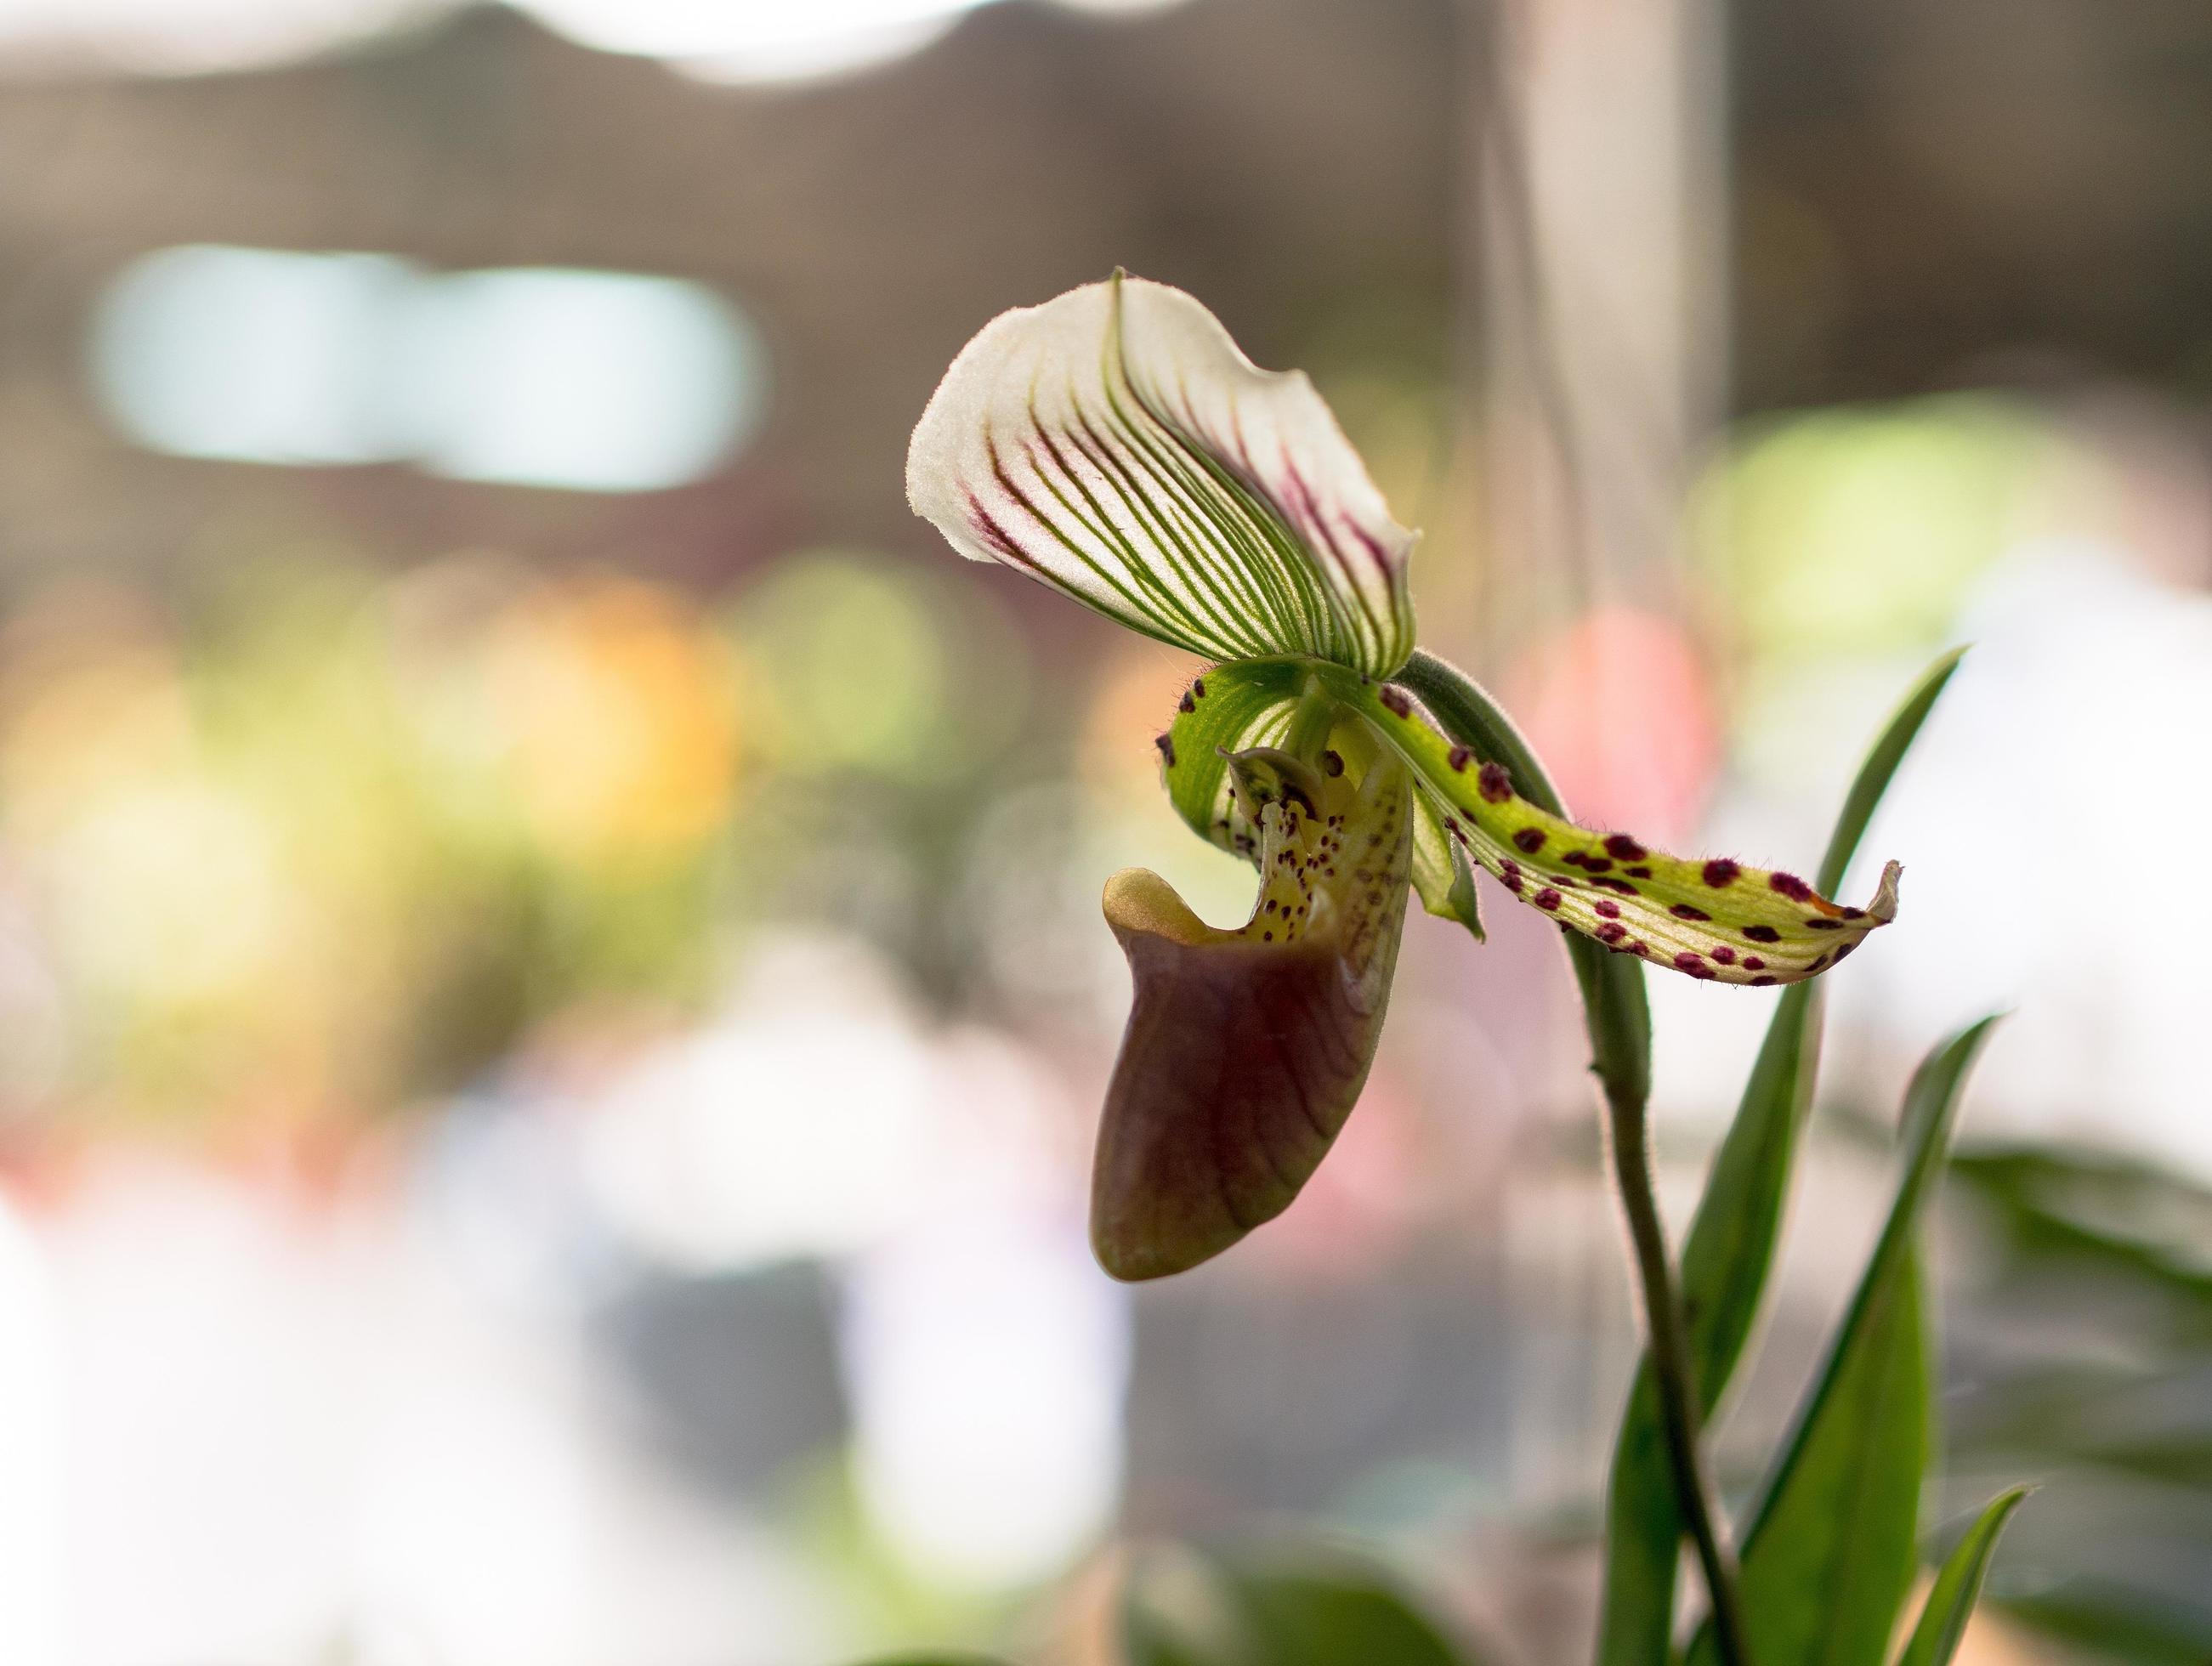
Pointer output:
1114, 444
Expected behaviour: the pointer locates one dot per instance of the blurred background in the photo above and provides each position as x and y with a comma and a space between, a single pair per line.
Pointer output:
551, 982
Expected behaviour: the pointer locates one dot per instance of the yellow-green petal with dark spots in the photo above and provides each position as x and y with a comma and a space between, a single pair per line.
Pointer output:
1709, 918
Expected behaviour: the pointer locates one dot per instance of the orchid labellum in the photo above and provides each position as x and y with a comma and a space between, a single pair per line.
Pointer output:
1114, 444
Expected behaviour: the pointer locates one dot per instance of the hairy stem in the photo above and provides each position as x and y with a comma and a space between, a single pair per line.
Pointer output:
1670, 1345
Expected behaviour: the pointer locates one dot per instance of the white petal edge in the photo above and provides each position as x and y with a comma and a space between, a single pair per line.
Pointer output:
1115, 444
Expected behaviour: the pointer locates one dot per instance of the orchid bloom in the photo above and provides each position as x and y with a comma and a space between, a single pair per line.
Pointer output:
1114, 444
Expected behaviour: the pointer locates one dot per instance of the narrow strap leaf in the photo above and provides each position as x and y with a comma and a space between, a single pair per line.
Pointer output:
1730, 1246
1880, 768
1830, 1551
1958, 1586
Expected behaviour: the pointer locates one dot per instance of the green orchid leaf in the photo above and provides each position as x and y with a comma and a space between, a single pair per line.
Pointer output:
1958, 1586
1711, 919
1183, 1609
1246, 1048
1831, 1547
1114, 444
1880, 768
1730, 1246
1252, 703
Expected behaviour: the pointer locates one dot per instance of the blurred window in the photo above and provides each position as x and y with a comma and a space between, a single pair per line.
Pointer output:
595, 381
251, 354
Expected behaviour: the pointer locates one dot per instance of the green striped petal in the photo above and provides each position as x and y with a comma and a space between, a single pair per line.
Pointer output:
1115, 444
1712, 918
1246, 1049
1251, 704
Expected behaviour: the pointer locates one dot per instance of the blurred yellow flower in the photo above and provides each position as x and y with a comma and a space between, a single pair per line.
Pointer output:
619, 715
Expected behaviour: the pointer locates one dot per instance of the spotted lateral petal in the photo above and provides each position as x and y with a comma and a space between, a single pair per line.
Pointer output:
1246, 1049
1712, 919
1251, 703
1116, 444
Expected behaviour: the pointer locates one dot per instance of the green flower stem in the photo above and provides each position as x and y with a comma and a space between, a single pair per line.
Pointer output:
1619, 1024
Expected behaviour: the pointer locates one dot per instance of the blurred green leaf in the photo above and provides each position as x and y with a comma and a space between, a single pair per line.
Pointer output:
1831, 1547
2111, 1622
1958, 1585
1730, 1246
1880, 766
1184, 1610
2081, 1214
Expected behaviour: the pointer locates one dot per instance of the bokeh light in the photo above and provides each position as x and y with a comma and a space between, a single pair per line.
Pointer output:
591, 382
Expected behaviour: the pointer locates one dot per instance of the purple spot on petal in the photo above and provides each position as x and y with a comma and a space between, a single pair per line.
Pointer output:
1627, 848
1530, 840
1639, 872
1395, 699
1790, 886
1762, 933
1688, 911
1761, 982
1694, 964
1546, 898
1724, 954
1720, 872
1166, 744
1494, 784
1818, 925
1611, 931
1457, 757
1608, 910
1751, 963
